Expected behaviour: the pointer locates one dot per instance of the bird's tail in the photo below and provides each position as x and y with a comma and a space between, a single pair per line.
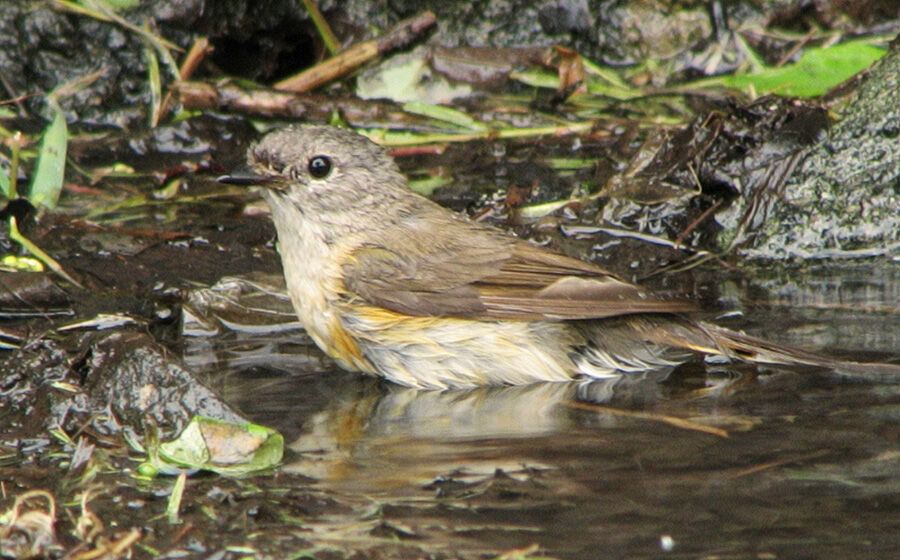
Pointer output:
712, 339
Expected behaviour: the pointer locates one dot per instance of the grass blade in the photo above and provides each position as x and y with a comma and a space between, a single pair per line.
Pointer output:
51, 165
28, 245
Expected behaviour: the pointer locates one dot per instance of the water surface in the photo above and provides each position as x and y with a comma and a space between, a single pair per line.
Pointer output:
723, 460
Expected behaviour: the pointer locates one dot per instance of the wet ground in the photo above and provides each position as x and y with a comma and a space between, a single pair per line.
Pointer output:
182, 313
706, 461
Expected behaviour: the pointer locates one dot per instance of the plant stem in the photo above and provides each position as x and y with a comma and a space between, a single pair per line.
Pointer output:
49, 262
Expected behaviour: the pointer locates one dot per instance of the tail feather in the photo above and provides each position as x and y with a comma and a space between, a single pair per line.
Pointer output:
712, 339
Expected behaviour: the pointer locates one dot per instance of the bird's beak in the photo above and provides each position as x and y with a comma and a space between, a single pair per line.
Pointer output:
249, 179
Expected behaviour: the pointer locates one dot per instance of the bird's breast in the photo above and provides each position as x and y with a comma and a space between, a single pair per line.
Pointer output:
312, 270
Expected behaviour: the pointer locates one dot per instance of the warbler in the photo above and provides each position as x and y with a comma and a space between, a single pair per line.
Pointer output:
389, 283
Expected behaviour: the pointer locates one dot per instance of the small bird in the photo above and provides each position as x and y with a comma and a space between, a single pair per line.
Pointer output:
392, 284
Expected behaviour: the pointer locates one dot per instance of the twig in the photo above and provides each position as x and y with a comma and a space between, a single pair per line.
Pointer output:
647, 238
797, 46
16, 145
285, 104
691, 262
330, 69
195, 55
399, 37
17, 99
778, 463
385, 138
112, 549
700, 219
671, 420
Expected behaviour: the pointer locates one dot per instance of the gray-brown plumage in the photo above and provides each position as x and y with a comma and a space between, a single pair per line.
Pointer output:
387, 282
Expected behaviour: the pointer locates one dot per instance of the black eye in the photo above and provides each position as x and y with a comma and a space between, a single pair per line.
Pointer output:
319, 166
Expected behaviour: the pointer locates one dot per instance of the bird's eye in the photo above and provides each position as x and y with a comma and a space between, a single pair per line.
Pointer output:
319, 166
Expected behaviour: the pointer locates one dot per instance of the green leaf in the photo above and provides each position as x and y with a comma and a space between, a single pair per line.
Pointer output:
4, 182
537, 77
445, 114
404, 80
817, 71
174, 502
28, 245
51, 164
121, 5
24, 264
427, 186
606, 85
222, 447
604, 74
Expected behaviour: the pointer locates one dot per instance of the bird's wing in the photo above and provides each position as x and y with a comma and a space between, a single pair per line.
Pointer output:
470, 271
537, 283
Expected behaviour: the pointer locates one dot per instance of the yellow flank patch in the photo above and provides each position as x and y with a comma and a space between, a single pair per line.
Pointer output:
345, 348
379, 315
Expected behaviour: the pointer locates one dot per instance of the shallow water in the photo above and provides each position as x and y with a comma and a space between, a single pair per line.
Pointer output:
721, 461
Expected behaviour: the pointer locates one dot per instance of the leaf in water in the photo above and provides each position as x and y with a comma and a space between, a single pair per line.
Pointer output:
222, 447
403, 79
570, 164
604, 74
817, 71
426, 187
533, 211
51, 164
24, 264
445, 114
37, 252
600, 82
537, 77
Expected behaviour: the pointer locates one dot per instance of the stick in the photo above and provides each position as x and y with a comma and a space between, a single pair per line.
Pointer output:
402, 35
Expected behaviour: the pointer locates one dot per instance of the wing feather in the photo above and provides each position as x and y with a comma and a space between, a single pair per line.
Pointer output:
473, 271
